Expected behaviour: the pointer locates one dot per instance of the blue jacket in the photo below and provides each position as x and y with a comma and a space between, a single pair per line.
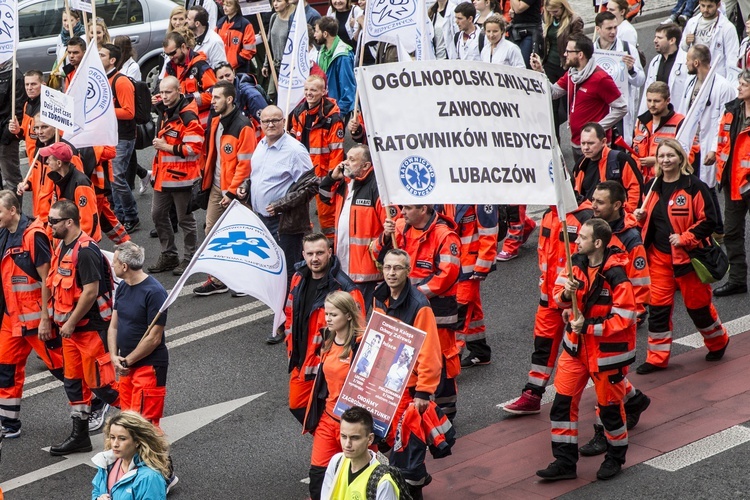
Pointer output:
250, 101
340, 75
141, 482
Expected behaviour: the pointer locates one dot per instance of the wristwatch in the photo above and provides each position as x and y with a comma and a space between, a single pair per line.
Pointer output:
124, 363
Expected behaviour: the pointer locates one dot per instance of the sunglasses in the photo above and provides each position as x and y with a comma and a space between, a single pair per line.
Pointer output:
170, 54
52, 221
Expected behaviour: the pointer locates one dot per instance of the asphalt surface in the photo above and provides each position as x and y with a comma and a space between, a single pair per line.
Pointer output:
258, 452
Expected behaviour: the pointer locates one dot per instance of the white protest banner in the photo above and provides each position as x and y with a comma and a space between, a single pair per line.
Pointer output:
387, 20
378, 375
57, 109
611, 62
242, 253
249, 7
95, 119
84, 5
458, 132
295, 65
8, 29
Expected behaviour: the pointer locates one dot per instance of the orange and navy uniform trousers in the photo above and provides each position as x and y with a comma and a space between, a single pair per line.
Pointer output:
612, 166
690, 212
519, 228
435, 253
548, 322
196, 78
365, 224
87, 367
239, 41
143, 390
477, 230
646, 139
602, 352
24, 252
179, 168
76, 187
321, 130
626, 235
304, 334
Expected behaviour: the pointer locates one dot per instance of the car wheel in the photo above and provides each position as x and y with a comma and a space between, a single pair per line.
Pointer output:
150, 71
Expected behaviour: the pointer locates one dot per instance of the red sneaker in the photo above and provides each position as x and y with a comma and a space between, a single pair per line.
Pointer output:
528, 404
528, 227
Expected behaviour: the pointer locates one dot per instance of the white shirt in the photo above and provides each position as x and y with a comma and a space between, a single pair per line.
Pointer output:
467, 49
626, 31
213, 47
342, 231
505, 52
130, 68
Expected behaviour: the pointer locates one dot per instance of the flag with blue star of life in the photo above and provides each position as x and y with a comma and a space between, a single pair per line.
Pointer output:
242, 253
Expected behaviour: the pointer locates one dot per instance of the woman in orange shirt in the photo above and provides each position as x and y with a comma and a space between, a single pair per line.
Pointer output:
341, 339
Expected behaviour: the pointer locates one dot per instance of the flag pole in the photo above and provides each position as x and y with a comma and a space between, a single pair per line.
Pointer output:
291, 75
85, 26
361, 42
70, 19
271, 65
93, 20
13, 86
569, 264
31, 167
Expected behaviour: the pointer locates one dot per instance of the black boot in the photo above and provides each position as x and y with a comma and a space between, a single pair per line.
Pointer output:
77, 441
597, 445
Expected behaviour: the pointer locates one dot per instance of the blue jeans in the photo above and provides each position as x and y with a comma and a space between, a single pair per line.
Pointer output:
125, 207
684, 8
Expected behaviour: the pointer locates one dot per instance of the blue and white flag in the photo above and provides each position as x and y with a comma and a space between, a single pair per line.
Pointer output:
241, 252
424, 50
389, 20
95, 119
8, 29
295, 65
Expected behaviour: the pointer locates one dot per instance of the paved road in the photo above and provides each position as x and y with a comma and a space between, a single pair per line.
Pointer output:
256, 451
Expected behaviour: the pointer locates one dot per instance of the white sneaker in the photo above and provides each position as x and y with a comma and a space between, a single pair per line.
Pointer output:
96, 419
670, 19
144, 183
172, 482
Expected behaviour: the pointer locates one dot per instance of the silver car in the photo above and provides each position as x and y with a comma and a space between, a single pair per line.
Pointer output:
144, 21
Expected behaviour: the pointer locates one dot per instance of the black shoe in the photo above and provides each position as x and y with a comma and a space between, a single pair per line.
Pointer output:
166, 262
556, 471
131, 225
471, 360
276, 337
153, 233
642, 319
77, 441
609, 469
647, 368
729, 289
718, 354
597, 445
634, 407
177, 271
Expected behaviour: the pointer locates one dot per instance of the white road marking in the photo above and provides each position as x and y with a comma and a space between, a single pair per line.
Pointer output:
734, 327
702, 449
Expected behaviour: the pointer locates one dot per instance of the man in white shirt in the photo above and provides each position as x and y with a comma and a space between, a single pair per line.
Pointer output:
668, 65
712, 29
211, 8
469, 41
206, 39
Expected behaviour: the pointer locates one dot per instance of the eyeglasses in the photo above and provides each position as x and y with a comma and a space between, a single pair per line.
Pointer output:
222, 65
52, 221
398, 269
566, 51
170, 54
272, 121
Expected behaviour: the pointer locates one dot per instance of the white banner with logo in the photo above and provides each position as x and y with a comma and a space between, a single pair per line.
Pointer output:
57, 109
389, 20
8, 29
295, 65
458, 132
611, 62
84, 5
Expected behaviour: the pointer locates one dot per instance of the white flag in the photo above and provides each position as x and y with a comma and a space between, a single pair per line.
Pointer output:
241, 252
565, 197
295, 65
387, 20
425, 51
8, 29
403, 53
96, 123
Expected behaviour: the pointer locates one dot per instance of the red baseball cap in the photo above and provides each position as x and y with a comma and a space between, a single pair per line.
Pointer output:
59, 150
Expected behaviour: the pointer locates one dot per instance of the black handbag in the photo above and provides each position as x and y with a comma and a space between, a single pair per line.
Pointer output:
198, 196
709, 261
144, 135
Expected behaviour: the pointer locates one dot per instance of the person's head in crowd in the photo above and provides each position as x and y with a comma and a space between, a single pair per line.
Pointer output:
482, 6
32, 83
358, 161
667, 38
557, 11
76, 49
317, 253
98, 31
44, 132
606, 27
619, 8
272, 123
465, 13
127, 51
494, 28
417, 215
608, 200
396, 268
593, 237
58, 156
175, 48
698, 59
670, 158
128, 434
223, 95
709, 8
593, 140
282, 7
64, 219
231, 8
326, 29
743, 85
177, 19
197, 19
657, 99
128, 259
340, 5
315, 90
10, 210
70, 19
110, 55
310, 38
344, 320
169, 89
356, 433
224, 71
188, 36
579, 51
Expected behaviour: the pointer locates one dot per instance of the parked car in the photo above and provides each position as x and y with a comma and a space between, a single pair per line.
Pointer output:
144, 21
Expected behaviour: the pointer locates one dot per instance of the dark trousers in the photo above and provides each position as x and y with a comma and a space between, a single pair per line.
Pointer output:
291, 244
734, 236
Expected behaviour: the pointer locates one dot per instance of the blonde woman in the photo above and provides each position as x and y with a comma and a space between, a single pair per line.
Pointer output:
98, 31
177, 19
341, 339
135, 462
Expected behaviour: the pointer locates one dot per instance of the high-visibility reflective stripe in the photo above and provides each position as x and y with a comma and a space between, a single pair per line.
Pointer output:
660, 335
618, 442
668, 130
744, 163
359, 278
612, 360
472, 336
173, 159
484, 263
248, 46
544, 296
711, 327
450, 259
625, 313
569, 343
61, 317
10, 401
176, 184
717, 333
547, 370
467, 269
564, 424
30, 316
477, 324
360, 241
487, 231
446, 320
465, 240
440, 429
543, 267
541, 382
618, 432
325, 193
80, 408
337, 145
561, 280
198, 98
9, 413
640, 281
564, 438
319, 151
245, 156
659, 347
598, 329
24, 287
